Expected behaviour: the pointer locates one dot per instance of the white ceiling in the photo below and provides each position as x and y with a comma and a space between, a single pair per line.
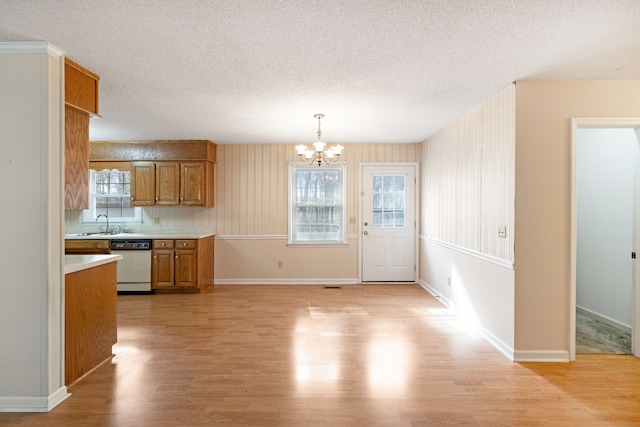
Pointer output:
256, 71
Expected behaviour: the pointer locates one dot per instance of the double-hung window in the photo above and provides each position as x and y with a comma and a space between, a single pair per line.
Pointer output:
317, 204
110, 194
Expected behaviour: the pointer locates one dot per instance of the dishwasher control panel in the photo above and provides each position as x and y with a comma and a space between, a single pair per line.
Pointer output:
132, 245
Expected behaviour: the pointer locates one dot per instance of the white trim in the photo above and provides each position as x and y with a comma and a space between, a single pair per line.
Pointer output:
30, 47
271, 237
498, 261
250, 237
541, 356
604, 319
427, 287
353, 281
596, 122
339, 167
486, 334
33, 404
317, 245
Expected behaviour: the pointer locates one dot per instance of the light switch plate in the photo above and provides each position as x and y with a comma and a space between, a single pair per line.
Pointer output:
502, 231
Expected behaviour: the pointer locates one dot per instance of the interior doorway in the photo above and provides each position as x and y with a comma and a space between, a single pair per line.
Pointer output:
604, 232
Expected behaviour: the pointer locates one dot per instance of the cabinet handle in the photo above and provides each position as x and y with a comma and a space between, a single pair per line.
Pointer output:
132, 198
163, 244
181, 198
176, 256
156, 198
184, 244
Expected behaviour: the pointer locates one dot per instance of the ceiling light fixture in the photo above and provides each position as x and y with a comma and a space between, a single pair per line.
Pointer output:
319, 155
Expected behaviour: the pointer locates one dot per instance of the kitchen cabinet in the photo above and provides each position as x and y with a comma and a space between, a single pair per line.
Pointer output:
172, 184
81, 102
90, 313
76, 159
182, 265
143, 184
164, 173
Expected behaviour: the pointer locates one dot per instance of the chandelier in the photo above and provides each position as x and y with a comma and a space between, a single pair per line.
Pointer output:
319, 155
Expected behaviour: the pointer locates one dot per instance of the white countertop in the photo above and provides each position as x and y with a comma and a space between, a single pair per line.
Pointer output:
74, 263
163, 235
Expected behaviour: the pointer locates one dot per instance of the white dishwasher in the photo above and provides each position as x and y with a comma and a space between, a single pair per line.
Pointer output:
134, 269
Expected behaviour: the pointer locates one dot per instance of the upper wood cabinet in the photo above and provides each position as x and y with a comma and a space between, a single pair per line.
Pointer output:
164, 173
81, 101
171, 184
167, 183
80, 88
143, 184
194, 186
76, 159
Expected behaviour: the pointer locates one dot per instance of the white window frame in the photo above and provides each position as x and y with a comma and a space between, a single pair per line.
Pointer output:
341, 238
89, 215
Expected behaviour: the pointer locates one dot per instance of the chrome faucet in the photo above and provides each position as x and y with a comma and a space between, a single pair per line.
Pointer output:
107, 218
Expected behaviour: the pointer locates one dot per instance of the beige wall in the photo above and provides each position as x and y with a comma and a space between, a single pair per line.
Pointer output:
542, 215
251, 215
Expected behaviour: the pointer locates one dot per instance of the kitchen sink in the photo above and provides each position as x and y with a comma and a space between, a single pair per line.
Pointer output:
90, 234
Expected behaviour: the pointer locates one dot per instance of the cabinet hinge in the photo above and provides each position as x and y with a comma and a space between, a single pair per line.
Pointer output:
633, 255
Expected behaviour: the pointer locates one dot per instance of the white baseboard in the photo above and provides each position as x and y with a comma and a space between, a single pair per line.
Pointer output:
541, 356
488, 335
435, 293
33, 404
604, 319
330, 282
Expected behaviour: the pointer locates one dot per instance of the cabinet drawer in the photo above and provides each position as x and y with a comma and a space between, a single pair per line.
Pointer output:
185, 244
89, 247
163, 244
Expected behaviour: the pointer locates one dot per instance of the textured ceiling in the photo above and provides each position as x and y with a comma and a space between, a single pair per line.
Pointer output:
256, 71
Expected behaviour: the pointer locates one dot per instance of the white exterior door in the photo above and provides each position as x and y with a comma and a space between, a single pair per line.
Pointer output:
388, 222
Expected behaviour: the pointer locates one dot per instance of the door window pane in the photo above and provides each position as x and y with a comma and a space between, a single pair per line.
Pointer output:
388, 200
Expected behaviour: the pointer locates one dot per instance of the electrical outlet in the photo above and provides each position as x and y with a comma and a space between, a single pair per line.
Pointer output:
448, 281
156, 221
280, 264
502, 231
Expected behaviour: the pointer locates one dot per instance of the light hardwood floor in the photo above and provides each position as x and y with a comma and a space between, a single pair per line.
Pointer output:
367, 355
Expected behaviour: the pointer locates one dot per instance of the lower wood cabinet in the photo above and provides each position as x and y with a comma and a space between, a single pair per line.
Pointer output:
90, 317
182, 265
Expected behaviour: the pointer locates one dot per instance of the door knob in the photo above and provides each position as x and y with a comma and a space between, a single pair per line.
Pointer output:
366, 233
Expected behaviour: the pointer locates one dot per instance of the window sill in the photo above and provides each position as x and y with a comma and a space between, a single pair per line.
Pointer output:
317, 245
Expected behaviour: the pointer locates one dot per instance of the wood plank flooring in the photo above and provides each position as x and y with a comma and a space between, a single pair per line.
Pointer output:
362, 355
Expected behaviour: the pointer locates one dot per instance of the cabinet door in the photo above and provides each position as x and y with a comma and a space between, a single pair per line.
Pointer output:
193, 184
143, 184
167, 183
185, 268
162, 268
76, 159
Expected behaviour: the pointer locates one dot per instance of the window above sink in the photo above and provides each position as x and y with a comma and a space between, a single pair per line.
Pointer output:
110, 194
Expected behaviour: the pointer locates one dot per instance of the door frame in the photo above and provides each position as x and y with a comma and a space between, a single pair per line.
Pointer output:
601, 123
416, 207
